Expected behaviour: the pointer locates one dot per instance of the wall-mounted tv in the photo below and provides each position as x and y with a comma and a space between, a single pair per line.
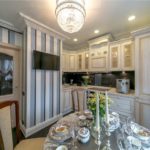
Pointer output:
45, 61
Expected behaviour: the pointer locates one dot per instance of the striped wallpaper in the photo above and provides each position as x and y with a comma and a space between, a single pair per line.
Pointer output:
11, 37
42, 96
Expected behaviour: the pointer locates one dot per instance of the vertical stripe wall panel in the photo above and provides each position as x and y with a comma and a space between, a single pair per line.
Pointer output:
55, 81
38, 81
33, 85
47, 84
4, 35
29, 62
24, 72
11, 37
18, 39
0, 34
43, 49
51, 78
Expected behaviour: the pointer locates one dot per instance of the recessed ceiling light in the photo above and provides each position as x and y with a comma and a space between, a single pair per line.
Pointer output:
131, 18
75, 40
96, 31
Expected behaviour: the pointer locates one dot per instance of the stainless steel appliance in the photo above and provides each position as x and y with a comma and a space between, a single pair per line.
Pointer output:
123, 85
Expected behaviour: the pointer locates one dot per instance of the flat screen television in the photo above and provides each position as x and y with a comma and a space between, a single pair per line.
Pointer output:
45, 61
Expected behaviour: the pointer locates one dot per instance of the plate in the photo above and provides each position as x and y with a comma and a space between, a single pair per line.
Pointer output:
62, 130
62, 147
141, 132
82, 117
135, 143
59, 136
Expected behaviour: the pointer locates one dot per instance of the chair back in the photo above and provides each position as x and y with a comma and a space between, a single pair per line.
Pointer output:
5, 123
79, 99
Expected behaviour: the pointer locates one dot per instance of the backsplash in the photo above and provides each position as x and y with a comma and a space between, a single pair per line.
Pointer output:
100, 79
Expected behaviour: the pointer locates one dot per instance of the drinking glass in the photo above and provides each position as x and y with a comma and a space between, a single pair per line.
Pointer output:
73, 135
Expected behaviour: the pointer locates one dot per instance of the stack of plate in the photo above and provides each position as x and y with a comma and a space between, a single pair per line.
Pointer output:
140, 134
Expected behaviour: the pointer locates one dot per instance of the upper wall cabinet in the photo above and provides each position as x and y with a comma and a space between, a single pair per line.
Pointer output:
82, 61
79, 62
71, 62
98, 60
114, 63
121, 56
64, 62
127, 55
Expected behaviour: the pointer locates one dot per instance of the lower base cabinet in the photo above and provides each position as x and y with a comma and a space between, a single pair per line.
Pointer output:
123, 105
67, 105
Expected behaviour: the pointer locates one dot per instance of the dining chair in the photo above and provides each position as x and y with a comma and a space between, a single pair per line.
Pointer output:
79, 99
6, 130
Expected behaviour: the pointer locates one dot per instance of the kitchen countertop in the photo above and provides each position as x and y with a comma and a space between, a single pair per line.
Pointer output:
111, 90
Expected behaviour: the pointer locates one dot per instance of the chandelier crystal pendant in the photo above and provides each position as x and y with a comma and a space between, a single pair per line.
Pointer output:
70, 14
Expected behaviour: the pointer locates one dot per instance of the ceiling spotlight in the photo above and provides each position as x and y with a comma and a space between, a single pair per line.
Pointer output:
96, 31
75, 40
131, 18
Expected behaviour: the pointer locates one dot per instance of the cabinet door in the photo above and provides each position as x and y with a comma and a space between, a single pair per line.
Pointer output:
64, 62
72, 65
127, 55
79, 62
115, 58
98, 59
86, 60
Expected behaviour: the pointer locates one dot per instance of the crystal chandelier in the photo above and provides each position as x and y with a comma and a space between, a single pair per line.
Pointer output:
70, 14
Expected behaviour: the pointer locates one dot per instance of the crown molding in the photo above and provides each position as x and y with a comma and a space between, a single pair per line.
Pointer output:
8, 25
141, 31
36, 24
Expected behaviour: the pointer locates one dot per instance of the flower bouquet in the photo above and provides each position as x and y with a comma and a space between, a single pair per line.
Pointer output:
91, 104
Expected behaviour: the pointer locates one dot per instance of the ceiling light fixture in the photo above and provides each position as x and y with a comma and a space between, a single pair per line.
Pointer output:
131, 18
96, 31
75, 40
70, 14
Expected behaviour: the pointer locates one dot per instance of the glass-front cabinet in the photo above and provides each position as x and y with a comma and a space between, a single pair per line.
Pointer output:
128, 55
86, 60
115, 57
80, 61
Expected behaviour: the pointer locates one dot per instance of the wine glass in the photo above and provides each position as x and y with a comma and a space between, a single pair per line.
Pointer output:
73, 135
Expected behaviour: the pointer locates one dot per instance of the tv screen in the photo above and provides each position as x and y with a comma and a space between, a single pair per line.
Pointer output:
46, 61
36, 60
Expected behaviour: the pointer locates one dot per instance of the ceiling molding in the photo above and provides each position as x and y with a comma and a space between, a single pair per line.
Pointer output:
8, 25
141, 31
30, 21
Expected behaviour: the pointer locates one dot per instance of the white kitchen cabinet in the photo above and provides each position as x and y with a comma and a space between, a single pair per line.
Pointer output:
71, 62
142, 75
115, 53
80, 60
127, 55
64, 62
121, 55
67, 105
124, 105
86, 61
98, 60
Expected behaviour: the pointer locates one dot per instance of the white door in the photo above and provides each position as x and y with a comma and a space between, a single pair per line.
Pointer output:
9, 74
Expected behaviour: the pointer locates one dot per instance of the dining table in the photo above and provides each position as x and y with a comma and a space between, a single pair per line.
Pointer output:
90, 145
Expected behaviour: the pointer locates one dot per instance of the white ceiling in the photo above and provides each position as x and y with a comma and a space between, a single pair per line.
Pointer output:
109, 16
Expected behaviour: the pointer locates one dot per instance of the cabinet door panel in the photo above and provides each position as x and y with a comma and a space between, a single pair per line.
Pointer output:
115, 57
128, 56
98, 63
145, 69
72, 63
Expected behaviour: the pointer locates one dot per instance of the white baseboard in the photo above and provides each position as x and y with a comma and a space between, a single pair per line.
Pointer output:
29, 131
